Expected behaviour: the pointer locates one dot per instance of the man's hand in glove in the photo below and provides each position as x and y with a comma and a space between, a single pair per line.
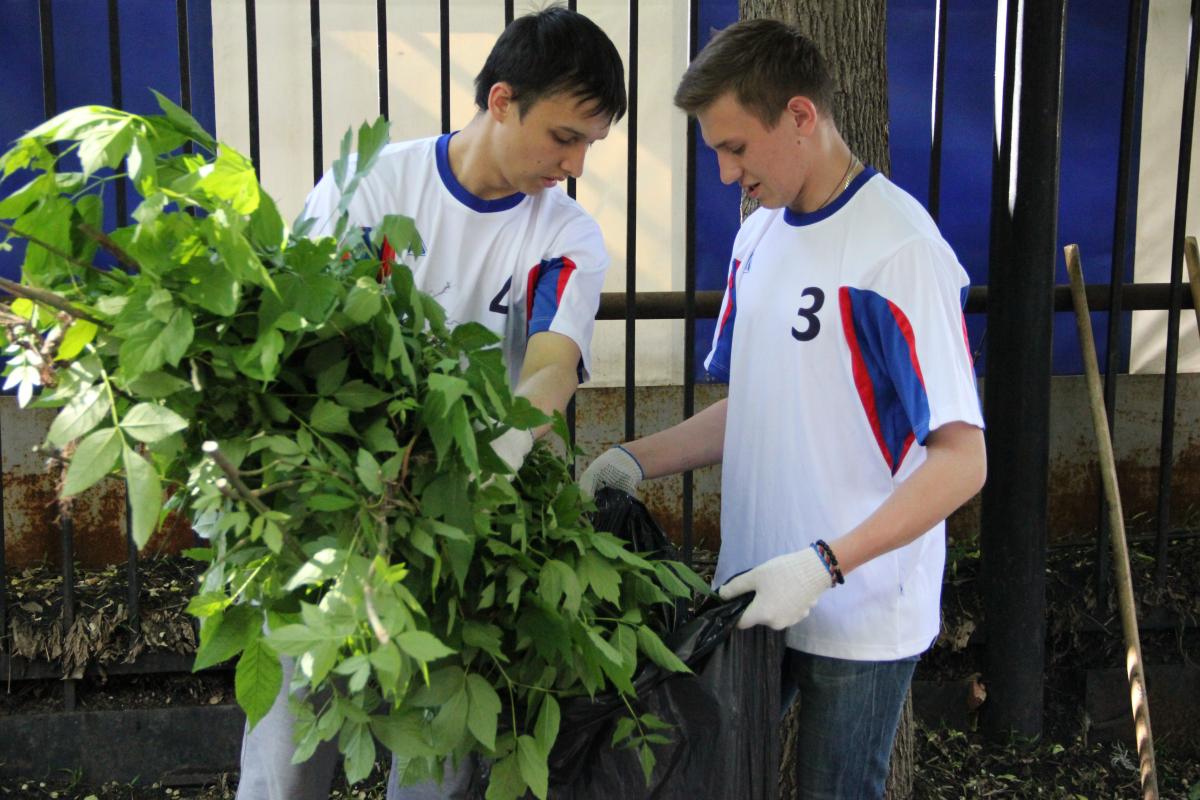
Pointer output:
513, 446
615, 467
786, 587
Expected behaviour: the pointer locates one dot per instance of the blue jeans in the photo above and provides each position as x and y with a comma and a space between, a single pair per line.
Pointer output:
849, 712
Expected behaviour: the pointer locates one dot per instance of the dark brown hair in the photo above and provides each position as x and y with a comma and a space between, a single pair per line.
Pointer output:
765, 63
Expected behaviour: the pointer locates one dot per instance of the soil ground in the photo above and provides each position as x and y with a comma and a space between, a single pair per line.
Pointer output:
1067, 763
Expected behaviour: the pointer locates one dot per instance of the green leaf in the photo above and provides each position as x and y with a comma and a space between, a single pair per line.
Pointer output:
320, 567
422, 646
367, 470
207, 604
659, 653
400, 232
105, 145
81, 413
185, 122
358, 395
545, 730
484, 710
371, 139
450, 722
156, 385
598, 574
141, 165
532, 762
506, 782
331, 377
359, 747
78, 336
363, 301
149, 422
93, 459
222, 636
257, 680
646, 756
329, 417
330, 502
231, 179
294, 640
406, 734
145, 495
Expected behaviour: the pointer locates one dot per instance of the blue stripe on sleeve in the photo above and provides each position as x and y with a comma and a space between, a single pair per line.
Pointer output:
717, 362
545, 295
887, 349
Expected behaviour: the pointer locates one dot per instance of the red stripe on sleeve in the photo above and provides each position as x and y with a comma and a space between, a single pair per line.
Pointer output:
530, 288
564, 275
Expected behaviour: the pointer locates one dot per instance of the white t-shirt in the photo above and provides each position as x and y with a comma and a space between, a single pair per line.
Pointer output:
519, 265
843, 340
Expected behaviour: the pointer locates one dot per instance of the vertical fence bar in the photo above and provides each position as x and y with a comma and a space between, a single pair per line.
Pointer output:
132, 577
50, 106
118, 100
689, 287
185, 55
185, 63
3, 567
1116, 277
1171, 368
444, 52
631, 117
508, 12
46, 26
936, 112
252, 81
571, 191
314, 26
382, 55
67, 540
1019, 362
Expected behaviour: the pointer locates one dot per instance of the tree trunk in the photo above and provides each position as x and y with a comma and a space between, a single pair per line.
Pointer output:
852, 35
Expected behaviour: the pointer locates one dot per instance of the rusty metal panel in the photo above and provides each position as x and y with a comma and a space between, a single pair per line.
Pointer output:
31, 530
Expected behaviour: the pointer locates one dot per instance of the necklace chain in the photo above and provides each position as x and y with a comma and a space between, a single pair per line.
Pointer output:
843, 184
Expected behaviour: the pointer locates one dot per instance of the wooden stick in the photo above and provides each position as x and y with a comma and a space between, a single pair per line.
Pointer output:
1192, 256
1138, 696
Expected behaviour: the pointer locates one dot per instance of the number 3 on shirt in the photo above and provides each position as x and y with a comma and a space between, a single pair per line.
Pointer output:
812, 325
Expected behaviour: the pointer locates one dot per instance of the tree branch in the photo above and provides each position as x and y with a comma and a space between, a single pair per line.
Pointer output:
102, 239
48, 298
121, 276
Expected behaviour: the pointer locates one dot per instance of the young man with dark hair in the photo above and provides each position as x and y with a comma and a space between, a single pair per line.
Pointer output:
501, 249
852, 426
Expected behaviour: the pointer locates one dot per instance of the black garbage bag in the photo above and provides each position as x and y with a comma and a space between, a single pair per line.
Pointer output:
725, 742
725, 715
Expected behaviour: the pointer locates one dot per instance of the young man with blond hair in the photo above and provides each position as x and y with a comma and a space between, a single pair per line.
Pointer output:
852, 427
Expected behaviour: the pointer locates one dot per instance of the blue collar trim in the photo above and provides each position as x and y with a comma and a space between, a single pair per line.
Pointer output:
797, 218
460, 192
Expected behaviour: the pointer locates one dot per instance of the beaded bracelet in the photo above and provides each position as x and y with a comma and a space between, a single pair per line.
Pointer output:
825, 552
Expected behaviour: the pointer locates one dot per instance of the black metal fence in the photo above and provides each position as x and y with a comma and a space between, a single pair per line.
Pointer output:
1023, 235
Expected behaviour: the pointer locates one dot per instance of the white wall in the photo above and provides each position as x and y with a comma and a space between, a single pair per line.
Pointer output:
349, 81
1162, 110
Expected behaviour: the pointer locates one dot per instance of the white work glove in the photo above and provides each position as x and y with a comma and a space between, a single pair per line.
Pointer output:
615, 467
512, 446
786, 588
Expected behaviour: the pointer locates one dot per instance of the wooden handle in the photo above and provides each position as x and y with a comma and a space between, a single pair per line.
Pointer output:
1139, 699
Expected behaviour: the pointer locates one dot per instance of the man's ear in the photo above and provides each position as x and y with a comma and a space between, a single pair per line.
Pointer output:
500, 101
802, 113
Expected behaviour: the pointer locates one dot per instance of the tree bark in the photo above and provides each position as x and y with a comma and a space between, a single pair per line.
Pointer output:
852, 35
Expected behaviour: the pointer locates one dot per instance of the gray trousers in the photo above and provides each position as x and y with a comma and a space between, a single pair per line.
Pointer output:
267, 771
